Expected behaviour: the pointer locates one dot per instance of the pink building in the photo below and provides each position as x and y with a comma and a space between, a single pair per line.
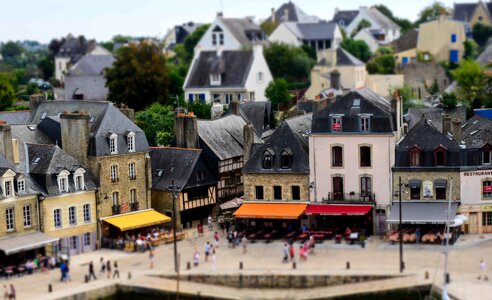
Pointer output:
351, 153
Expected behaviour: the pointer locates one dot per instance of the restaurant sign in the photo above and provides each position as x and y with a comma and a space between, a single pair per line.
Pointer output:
486, 207
478, 173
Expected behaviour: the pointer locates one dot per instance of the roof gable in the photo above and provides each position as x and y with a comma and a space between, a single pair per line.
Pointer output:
345, 17
313, 31
426, 137
241, 28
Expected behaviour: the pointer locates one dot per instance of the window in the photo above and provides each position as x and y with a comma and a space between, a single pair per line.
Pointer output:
487, 154
116, 199
114, 173
63, 181
221, 39
338, 188
229, 98
130, 142
57, 220
73, 242
87, 239
453, 38
200, 175
79, 179
440, 156
365, 186
286, 159
296, 192
337, 156
415, 192
268, 157
336, 124
21, 185
259, 192
131, 171
277, 192
440, 193
26, 210
414, 157
487, 218
252, 96
214, 39
364, 123
7, 188
113, 143
487, 188
133, 196
72, 215
365, 156
259, 77
215, 79
87, 213
9, 216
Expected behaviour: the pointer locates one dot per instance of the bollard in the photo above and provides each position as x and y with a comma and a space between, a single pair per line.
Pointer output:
129, 275
348, 265
50, 288
426, 274
86, 279
240, 265
447, 278
188, 265
294, 265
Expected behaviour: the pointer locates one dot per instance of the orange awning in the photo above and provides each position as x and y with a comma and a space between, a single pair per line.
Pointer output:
270, 210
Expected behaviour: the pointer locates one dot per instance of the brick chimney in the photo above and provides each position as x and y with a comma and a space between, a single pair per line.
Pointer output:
75, 135
249, 137
446, 123
128, 112
273, 15
179, 132
191, 131
6, 147
456, 129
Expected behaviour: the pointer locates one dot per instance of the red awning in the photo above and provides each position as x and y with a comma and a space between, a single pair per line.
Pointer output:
337, 210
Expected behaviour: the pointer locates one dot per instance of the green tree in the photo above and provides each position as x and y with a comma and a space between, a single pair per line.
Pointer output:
362, 24
404, 24
481, 33
268, 27
277, 92
387, 63
374, 68
432, 12
201, 109
449, 100
433, 89
471, 49
192, 40
157, 122
11, 50
472, 83
288, 62
7, 94
357, 48
139, 76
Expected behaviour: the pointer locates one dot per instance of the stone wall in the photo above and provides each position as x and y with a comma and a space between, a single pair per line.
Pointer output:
286, 181
163, 203
425, 176
417, 75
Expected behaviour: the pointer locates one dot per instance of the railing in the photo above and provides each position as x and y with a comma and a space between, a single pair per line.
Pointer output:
350, 197
134, 206
116, 209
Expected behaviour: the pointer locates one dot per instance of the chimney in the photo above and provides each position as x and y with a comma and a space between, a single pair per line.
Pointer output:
75, 135
248, 136
286, 15
34, 101
446, 123
15, 148
258, 50
456, 130
6, 147
128, 112
335, 79
216, 110
397, 109
191, 131
235, 107
179, 132
273, 15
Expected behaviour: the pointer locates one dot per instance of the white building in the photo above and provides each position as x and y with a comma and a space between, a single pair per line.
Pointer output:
368, 37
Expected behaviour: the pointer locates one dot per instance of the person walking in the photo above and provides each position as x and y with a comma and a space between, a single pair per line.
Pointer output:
103, 267
244, 241
12, 294
230, 239
5, 292
108, 268
91, 271
196, 257
285, 252
312, 243
67, 273
216, 239
417, 235
116, 270
292, 252
207, 251
209, 221
214, 260
151, 258
483, 272
63, 270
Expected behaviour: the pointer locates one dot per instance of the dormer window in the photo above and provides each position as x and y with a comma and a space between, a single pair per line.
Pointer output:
130, 141
487, 154
336, 123
78, 178
7, 188
113, 143
268, 158
215, 79
415, 156
217, 36
365, 124
21, 185
63, 181
440, 156
286, 159
8, 183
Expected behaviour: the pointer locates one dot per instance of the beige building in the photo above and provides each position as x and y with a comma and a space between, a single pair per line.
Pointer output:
442, 40
473, 13
405, 48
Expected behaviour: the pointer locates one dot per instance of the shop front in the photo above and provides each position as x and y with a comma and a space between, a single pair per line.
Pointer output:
18, 249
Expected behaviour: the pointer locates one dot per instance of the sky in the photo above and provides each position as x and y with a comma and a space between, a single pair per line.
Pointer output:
43, 20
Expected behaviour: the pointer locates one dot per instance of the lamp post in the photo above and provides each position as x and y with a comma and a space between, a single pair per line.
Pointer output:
400, 235
175, 194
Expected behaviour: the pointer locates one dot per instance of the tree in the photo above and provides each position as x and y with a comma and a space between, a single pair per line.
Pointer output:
357, 48
472, 83
387, 62
277, 92
157, 122
201, 109
11, 50
268, 27
7, 94
449, 100
288, 62
404, 24
433, 89
139, 76
362, 24
471, 51
432, 12
481, 33
192, 40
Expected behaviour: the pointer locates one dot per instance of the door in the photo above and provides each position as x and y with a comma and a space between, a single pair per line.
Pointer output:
404, 60
473, 223
453, 56
338, 188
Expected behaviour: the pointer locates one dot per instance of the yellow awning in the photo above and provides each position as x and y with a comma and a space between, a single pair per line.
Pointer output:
137, 220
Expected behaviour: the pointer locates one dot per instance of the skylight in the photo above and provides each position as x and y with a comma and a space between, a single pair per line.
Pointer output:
43, 116
474, 132
356, 103
36, 160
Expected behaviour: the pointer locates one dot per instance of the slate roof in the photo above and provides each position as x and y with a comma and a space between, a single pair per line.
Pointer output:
346, 15
406, 41
47, 161
224, 136
464, 11
258, 113
344, 58
240, 27
477, 131
381, 120
312, 31
434, 115
75, 48
236, 66
31, 186
295, 14
90, 65
180, 165
291, 136
485, 58
382, 19
427, 137
105, 118
15, 117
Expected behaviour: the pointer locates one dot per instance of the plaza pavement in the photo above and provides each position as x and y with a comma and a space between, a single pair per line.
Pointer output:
261, 258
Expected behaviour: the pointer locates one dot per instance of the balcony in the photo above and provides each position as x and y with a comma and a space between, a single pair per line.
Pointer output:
349, 197
116, 209
134, 206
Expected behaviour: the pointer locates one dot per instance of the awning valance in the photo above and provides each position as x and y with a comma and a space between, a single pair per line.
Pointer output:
414, 183
137, 219
421, 212
25, 242
337, 210
440, 183
270, 210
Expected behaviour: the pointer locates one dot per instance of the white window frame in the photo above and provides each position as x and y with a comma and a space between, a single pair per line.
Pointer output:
87, 239
79, 175
10, 219
133, 195
57, 218
73, 242
87, 213
7, 187
130, 141
63, 181
21, 185
259, 77
365, 123
114, 173
113, 143
72, 215
131, 171
26, 211
116, 198
215, 79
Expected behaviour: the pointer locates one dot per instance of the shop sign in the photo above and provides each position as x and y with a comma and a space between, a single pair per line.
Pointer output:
428, 187
487, 189
486, 207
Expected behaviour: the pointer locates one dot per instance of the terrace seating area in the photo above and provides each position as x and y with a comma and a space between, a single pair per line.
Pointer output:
430, 236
